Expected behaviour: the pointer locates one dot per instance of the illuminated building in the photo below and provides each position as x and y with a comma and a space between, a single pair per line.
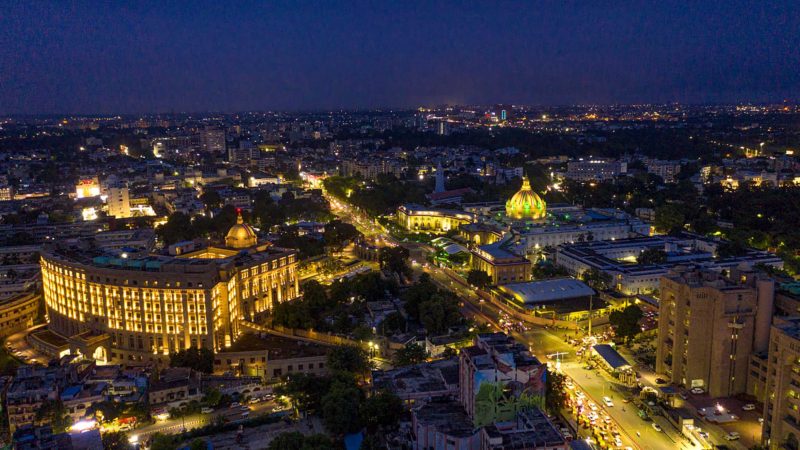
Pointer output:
501, 265
526, 204
135, 307
119, 202
432, 220
18, 312
87, 187
595, 170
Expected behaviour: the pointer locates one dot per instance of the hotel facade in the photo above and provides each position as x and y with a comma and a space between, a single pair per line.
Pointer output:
131, 307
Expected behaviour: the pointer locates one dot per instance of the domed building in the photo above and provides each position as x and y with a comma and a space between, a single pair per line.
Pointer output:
526, 204
241, 235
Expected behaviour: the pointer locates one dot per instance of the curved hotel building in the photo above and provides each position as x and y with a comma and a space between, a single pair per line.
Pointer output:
139, 306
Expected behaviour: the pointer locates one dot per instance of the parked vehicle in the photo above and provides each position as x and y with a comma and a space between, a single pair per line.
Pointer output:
206, 410
656, 426
749, 407
697, 390
732, 436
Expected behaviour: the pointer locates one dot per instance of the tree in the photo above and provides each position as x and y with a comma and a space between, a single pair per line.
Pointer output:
338, 233
626, 322
198, 444
438, 313
162, 442
340, 408
556, 393
652, 256
109, 410
383, 410
372, 441
598, 279
305, 390
349, 358
478, 278
54, 412
211, 199
394, 259
669, 218
294, 440
392, 323
212, 397
178, 228
115, 440
199, 359
410, 354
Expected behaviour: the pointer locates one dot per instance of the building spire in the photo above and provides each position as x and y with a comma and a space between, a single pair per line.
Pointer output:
439, 178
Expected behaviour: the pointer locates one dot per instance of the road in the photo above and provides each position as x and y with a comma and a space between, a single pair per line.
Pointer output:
177, 425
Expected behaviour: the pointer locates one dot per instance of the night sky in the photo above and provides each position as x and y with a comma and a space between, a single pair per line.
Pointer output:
89, 57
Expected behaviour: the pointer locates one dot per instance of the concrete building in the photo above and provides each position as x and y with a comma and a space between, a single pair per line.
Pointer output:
414, 217
595, 170
271, 357
619, 259
781, 428
709, 325
119, 202
500, 264
19, 312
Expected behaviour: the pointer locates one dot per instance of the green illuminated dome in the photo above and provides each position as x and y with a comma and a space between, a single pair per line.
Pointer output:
526, 204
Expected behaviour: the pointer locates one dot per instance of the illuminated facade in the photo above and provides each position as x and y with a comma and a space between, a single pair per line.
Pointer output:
501, 265
431, 220
135, 308
526, 204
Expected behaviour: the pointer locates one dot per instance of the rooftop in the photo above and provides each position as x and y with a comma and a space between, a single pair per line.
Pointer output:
278, 347
534, 292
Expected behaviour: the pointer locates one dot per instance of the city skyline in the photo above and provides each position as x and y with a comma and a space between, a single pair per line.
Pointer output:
88, 59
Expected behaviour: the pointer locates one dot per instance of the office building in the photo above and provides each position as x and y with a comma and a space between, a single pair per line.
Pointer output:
119, 202
595, 170
710, 324
781, 427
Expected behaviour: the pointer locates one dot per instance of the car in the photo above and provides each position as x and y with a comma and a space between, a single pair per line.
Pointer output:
703, 434
234, 404
749, 407
661, 381
244, 408
608, 402
760, 420
206, 410
656, 426
732, 436
697, 390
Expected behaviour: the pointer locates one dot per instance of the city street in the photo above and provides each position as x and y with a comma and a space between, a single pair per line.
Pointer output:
177, 425
635, 431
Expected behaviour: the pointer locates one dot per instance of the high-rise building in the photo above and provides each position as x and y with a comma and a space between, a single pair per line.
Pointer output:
119, 202
781, 428
212, 140
710, 324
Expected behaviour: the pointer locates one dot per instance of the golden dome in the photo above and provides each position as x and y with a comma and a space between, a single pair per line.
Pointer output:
241, 235
526, 204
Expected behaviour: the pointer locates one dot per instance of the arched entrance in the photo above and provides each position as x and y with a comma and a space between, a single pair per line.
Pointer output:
100, 354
